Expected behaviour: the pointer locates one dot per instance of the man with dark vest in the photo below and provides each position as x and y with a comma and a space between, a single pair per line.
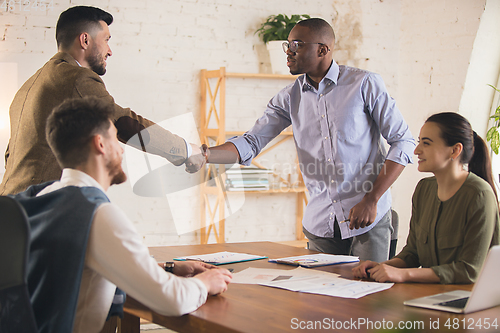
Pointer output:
82, 35
83, 247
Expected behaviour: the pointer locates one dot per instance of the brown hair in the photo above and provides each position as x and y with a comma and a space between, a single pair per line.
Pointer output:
456, 129
76, 20
72, 125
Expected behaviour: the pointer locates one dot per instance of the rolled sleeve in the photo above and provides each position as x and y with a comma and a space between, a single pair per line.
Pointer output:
402, 152
244, 148
386, 114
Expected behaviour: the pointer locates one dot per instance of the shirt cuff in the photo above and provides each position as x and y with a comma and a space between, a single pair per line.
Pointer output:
399, 156
188, 149
444, 275
244, 149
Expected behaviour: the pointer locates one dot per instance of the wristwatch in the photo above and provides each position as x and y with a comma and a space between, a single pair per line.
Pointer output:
169, 267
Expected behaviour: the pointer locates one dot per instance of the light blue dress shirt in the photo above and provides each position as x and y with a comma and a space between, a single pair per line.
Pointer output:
337, 130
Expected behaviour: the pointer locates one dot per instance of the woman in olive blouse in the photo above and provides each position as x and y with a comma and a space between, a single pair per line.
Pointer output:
454, 214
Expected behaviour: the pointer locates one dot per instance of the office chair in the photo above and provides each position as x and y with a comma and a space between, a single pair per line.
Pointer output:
16, 313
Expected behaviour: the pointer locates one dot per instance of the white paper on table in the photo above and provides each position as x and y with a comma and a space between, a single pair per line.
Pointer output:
309, 281
345, 288
253, 275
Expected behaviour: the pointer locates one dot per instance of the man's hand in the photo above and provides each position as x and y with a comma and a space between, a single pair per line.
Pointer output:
216, 280
361, 271
191, 268
363, 214
198, 158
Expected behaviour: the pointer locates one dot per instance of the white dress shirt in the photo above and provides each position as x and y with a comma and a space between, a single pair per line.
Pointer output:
116, 257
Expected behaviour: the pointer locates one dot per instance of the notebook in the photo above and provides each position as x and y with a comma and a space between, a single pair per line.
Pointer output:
315, 260
222, 258
485, 293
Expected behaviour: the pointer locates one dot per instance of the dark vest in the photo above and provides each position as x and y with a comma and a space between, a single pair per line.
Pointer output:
60, 224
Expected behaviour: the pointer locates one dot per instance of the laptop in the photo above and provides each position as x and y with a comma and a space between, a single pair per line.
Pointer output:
485, 293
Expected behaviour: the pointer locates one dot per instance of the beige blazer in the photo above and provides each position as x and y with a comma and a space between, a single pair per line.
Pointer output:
29, 160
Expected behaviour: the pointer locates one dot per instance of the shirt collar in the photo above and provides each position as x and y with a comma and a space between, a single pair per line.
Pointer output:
332, 75
73, 177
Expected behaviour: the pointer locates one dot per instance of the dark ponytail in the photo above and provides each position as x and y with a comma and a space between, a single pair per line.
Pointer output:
456, 129
480, 163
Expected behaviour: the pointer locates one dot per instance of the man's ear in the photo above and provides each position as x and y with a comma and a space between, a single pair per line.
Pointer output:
84, 40
323, 50
97, 143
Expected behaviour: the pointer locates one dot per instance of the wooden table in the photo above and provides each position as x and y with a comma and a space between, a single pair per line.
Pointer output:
253, 308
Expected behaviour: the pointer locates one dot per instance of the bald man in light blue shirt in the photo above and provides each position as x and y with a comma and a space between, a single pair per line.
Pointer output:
339, 115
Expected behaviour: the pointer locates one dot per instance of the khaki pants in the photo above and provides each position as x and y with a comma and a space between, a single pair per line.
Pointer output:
373, 245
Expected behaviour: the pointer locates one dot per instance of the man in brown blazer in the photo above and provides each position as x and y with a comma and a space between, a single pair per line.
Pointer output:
82, 35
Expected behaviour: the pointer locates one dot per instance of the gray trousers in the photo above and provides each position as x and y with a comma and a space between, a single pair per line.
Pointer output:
373, 245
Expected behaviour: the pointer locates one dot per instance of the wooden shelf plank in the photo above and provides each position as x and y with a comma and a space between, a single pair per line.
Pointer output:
213, 132
238, 133
283, 190
209, 109
262, 76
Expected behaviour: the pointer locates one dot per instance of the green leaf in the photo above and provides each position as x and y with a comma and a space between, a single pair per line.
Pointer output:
494, 88
493, 135
495, 142
278, 27
489, 134
496, 118
494, 138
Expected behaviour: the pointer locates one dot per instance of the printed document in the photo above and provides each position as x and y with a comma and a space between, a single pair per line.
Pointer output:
309, 281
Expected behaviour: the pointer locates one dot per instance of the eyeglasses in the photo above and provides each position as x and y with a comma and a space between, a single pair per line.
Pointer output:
294, 45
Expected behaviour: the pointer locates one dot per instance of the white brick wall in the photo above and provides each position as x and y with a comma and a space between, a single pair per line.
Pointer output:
434, 55
420, 48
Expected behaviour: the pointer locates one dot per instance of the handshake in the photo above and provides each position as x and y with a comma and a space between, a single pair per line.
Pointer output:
223, 154
198, 158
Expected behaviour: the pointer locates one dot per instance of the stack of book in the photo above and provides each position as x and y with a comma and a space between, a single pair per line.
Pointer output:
247, 179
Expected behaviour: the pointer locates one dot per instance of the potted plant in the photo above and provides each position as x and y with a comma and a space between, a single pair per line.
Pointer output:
273, 32
493, 135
